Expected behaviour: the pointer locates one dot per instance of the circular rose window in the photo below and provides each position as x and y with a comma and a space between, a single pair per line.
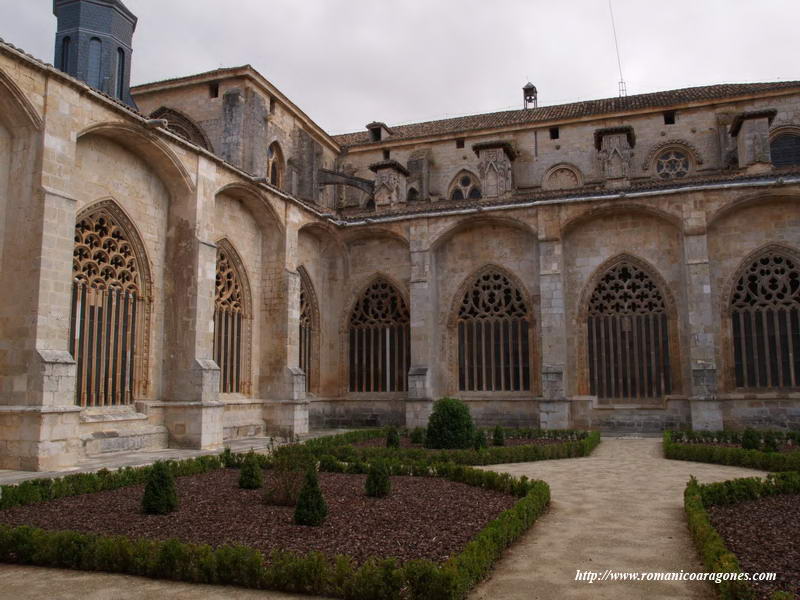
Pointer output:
672, 164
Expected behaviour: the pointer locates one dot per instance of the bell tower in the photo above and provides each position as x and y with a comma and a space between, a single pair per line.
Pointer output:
94, 44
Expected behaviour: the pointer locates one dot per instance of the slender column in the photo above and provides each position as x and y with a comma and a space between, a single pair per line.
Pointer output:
706, 412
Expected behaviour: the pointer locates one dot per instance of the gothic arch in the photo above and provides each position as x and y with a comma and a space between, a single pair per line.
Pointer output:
111, 307
377, 317
485, 220
750, 200
761, 320
15, 104
261, 208
517, 341
183, 126
276, 165
466, 185
233, 320
690, 149
310, 331
152, 149
627, 341
603, 211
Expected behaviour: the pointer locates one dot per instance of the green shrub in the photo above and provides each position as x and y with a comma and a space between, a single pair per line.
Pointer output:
770, 442
480, 440
227, 458
393, 438
754, 459
498, 437
378, 483
311, 508
450, 425
250, 476
289, 466
160, 495
418, 435
751, 440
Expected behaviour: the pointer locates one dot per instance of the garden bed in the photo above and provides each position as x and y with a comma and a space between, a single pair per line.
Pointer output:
423, 517
748, 526
406, 443
764, 534
725, 448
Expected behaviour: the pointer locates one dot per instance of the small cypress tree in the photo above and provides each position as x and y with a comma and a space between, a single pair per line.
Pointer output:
480, 440
378, 483
393, 438
499, 437
418, 435
311, 508
751, 440
250, 476
160, 495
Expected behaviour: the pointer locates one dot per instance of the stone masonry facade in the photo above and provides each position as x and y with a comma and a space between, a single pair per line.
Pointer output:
628, 264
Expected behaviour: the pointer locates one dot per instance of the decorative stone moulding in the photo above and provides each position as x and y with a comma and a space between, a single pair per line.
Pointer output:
391, 180
494, 167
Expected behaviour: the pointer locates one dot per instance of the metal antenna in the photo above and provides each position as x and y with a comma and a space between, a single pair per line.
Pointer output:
623, 90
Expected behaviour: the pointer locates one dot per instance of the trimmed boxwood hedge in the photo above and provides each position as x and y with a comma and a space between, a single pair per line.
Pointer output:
722, 455
716, 556
312, 573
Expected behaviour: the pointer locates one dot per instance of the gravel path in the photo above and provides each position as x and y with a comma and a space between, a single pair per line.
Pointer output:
621, 508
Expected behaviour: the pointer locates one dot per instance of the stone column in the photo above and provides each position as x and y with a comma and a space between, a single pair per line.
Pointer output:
192, 412
706, 411
554, 407
423, 329
284, 384
38, 417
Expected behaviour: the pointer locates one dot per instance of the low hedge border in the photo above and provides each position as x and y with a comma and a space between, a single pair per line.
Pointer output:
716, 556
312, 573
721, 455
576, 444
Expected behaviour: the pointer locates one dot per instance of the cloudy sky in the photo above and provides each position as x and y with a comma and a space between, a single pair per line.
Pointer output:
349, 62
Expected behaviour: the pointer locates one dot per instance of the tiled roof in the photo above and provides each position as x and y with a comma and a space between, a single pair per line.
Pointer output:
574, 110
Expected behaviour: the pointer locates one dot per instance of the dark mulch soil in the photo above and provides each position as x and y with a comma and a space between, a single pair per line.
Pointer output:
405, 442
423, 517
765, 535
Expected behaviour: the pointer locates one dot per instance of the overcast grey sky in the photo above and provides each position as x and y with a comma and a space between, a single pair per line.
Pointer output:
349, 62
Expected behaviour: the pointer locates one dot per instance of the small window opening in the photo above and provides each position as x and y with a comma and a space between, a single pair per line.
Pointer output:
386, 154
272, 105
460, 143
213, 90
554, 133
669, 117
375, 135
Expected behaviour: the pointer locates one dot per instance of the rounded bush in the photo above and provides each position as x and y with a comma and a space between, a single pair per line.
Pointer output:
499, 436
450, 425
393, 438
418, 435
311, 509
160, 495
378, 483
751, 440
250, 476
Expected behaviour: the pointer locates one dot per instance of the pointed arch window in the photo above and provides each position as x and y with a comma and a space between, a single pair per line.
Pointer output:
95, 66
628, 334
308, 330
109, 311
494, 336
230, 327
275, 164
465, 187
379, 340
765, 319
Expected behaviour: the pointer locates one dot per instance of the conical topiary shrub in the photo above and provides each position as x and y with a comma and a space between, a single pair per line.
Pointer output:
393, 438
450, 425
160, 495
480, 440
250, 476
378, 483
499, 437
311, 508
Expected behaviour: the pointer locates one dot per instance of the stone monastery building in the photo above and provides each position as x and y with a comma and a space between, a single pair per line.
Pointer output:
195, 260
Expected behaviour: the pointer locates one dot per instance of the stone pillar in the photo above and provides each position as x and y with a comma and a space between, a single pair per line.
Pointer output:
192, 412
284, 384
423, 329
38, 416
553, 407
706, 411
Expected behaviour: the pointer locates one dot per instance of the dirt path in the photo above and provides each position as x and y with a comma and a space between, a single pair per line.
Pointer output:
620, 509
